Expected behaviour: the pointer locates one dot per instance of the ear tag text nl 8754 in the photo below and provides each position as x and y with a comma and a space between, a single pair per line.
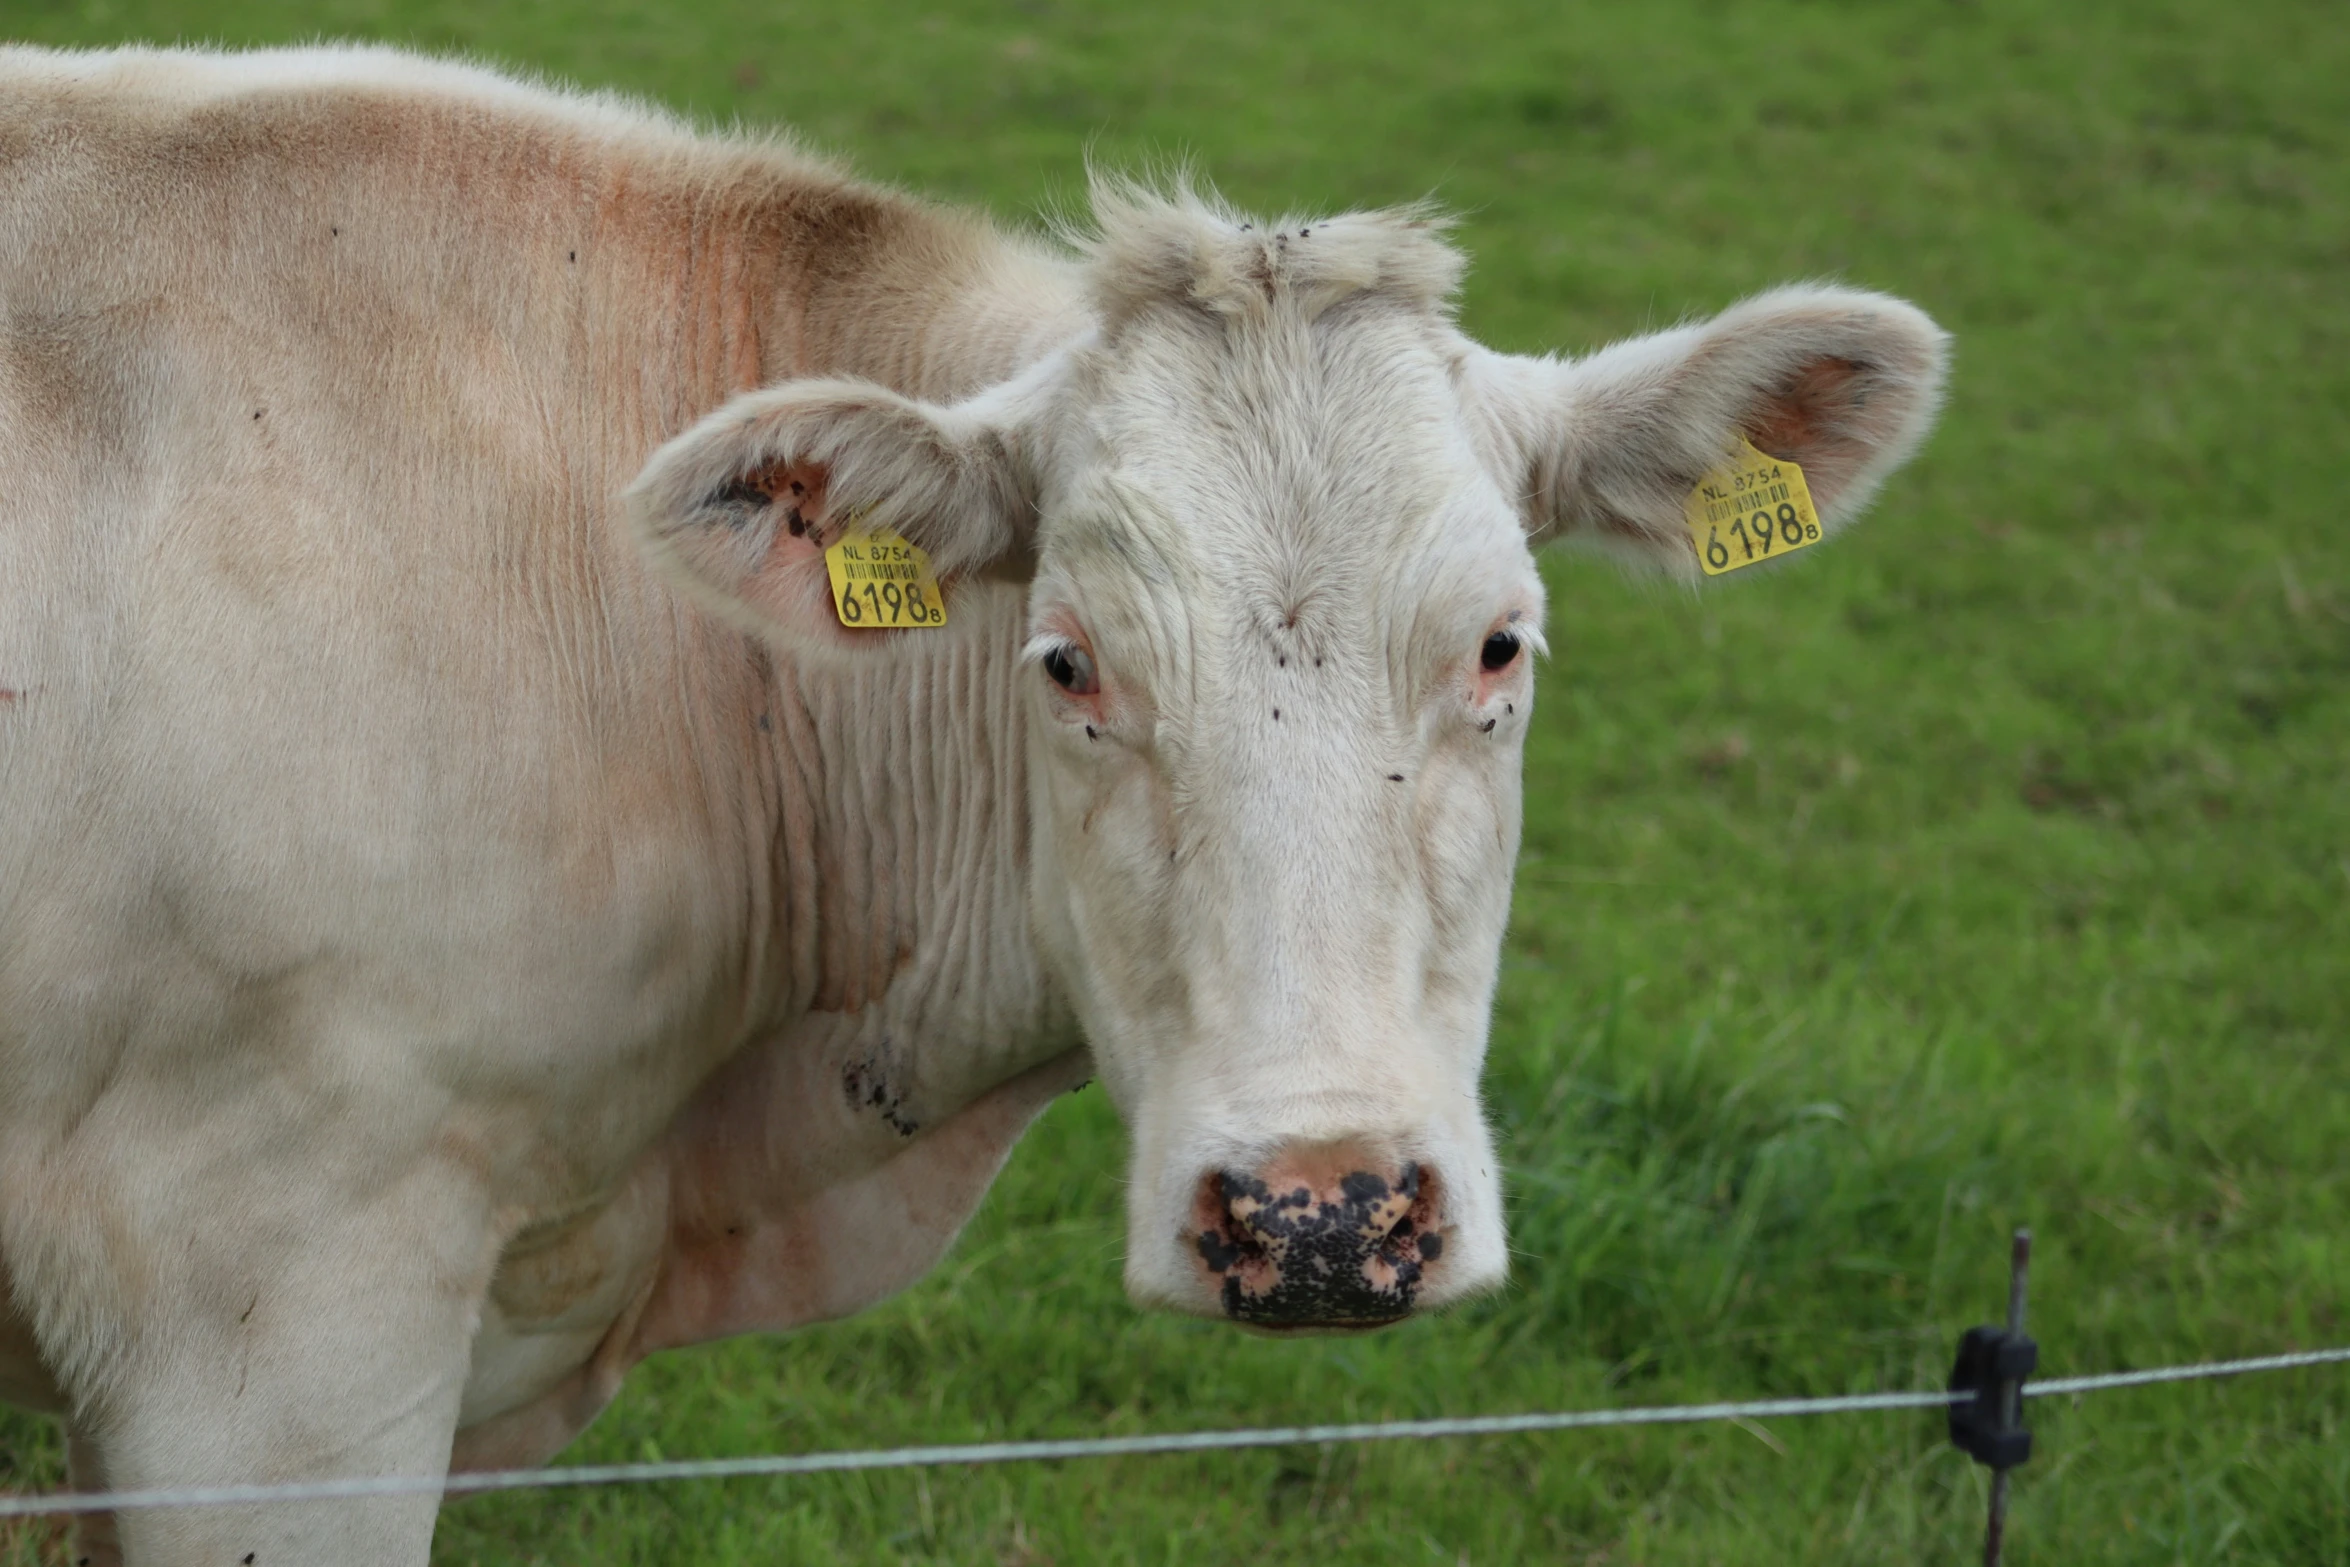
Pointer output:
882, 583
1750, 509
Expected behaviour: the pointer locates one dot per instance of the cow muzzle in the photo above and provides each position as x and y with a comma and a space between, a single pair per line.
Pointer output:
1326, 1237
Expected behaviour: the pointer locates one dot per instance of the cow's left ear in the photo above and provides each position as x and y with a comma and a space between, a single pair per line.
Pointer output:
1605, 450
738, 509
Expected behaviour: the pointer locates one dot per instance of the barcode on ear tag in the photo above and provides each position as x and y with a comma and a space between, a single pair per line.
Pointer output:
882, 583
1751, 509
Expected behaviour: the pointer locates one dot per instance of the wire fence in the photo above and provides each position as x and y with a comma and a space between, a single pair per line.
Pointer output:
1114, 1447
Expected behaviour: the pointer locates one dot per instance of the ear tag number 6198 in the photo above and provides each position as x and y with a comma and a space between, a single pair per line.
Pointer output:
882, 583
1750, 509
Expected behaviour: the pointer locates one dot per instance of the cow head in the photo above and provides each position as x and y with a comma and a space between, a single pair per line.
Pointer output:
1278, 516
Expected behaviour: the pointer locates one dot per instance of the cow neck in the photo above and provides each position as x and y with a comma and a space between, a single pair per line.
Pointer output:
891, 788
899, 852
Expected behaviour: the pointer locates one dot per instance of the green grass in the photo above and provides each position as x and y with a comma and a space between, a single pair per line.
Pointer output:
1989, 867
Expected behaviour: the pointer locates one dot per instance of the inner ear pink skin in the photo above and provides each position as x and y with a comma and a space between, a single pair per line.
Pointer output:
1812, 410
797, 487
792, 584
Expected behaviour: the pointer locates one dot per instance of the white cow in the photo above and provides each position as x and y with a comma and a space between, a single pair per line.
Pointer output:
471, 916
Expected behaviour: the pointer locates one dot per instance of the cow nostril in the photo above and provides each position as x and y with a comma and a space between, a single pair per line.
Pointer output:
1219, 1251
1223, 1236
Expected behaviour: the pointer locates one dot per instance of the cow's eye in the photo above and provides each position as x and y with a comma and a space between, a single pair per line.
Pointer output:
1500, 649
1071, 668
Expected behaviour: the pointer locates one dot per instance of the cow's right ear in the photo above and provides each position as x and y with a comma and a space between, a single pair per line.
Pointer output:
1605, 450
738, 510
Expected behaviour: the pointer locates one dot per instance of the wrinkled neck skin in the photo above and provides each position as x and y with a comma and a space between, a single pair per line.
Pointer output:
909, 1033
901, 810
895, 961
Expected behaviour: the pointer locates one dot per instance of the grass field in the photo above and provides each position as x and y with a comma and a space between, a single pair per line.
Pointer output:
1989, 867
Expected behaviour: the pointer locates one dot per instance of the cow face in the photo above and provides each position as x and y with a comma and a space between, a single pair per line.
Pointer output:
1278, 514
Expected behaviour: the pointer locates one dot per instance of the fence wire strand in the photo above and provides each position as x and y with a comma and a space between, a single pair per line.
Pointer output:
773, 1465
2210, 1368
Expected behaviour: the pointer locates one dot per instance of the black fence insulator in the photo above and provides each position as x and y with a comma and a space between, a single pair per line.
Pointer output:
1992, 1365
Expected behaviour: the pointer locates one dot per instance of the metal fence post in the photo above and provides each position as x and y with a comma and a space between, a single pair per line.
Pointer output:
2019, 1279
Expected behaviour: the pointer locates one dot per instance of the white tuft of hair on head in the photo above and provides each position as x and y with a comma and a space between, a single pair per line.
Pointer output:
1158, 244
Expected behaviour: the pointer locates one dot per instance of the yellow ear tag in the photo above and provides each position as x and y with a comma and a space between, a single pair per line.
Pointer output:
1749, 510
882, 583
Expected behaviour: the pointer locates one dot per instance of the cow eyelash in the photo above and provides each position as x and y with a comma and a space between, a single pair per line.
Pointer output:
1066, 665
1505, 642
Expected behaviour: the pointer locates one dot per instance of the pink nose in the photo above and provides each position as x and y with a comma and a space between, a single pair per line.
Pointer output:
1320, 1237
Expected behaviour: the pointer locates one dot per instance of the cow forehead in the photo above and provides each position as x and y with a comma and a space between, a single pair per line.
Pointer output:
1283, 474
1291, 414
